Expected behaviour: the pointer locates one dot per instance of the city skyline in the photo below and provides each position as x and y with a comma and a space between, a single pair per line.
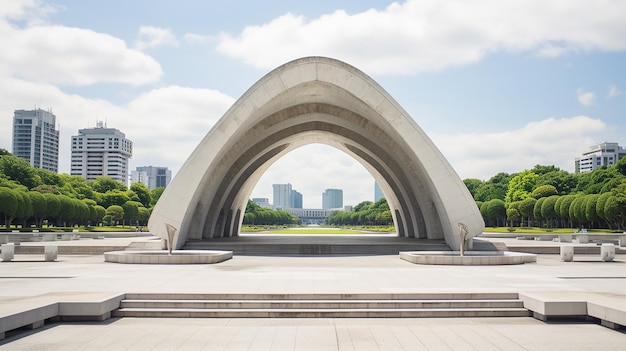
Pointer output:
498, 86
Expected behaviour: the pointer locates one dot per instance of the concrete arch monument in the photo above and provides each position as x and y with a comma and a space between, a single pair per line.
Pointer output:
315, 100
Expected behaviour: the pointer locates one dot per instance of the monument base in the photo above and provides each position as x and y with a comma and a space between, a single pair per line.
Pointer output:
470, 258
163, 257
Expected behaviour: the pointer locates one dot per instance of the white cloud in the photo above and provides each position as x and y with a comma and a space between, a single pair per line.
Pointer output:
68, 56
197, 39
152, 37
615, 92
585, 97
548, 142
430, 35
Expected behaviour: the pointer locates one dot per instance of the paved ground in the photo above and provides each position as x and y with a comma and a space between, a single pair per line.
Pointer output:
29, 276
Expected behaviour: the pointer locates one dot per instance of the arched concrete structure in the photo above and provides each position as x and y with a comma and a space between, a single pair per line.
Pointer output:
316, 100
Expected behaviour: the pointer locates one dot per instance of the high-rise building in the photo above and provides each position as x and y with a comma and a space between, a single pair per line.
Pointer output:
262, 202
297, 199
283, 197
152, 177
332, 198
604, 154
36, 139
378, 193
101, 151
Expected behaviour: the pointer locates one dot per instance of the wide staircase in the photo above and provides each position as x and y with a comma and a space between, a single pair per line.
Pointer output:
321, 305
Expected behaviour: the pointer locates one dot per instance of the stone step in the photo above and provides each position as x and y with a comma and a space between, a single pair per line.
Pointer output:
326, 296
319, 304
321, 313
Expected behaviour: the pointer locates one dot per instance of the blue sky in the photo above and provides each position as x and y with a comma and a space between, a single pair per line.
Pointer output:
499, 86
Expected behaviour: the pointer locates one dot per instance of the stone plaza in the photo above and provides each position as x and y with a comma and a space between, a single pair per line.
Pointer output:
29, 281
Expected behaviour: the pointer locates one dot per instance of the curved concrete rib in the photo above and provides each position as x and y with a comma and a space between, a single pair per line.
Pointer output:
316, 100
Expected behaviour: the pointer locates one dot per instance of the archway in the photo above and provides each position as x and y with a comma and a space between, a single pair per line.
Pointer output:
316, 100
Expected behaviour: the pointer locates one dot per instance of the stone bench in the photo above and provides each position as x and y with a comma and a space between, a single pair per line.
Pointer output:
7, 253
607, 252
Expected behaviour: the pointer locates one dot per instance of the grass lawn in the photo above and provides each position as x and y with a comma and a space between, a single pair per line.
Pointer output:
536, 230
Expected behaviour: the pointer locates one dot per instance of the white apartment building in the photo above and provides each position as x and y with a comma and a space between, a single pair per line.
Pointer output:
36, 139
101, 151
604, 154
152, 177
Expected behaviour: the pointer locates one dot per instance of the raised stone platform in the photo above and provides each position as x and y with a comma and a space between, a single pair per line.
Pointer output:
163, 257
470, 258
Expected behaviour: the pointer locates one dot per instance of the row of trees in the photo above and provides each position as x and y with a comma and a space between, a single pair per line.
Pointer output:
364, 213
257, 215
549, 197
31, 196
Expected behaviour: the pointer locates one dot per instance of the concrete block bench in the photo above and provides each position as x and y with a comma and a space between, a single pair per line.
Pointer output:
7, 253
607, 252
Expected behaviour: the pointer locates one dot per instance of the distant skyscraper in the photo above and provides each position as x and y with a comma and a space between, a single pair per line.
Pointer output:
36, 139
282, 196
297, 199
153, 177
332, 198
378, 193
101, 151
262, 201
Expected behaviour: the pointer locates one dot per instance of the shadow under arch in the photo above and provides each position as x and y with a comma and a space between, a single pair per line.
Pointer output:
316, 100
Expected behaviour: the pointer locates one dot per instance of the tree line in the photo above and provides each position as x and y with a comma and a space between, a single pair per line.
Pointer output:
547, 196
33, 197
257, 215
364, 213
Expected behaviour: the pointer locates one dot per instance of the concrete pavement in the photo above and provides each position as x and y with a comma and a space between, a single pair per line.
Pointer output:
28, 276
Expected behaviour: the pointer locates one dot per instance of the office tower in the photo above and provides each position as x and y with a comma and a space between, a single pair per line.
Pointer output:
153, 177
332, 198
296, 198
101, 151
378, 193
36, 139
282, 196
604, 154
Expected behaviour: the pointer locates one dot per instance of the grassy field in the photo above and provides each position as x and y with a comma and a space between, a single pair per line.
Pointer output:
315, 230
536, 230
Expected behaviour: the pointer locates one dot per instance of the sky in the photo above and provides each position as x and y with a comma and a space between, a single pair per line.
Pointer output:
499, 86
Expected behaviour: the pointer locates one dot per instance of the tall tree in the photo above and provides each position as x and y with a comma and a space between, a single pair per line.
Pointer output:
521, 186
8, 204
143, 193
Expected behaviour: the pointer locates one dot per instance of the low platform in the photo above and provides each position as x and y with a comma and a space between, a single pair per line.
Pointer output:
284, 244
470, 258
163, 257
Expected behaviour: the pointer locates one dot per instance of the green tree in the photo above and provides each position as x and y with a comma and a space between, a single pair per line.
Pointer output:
113, 197
526, 208
103, 184
521, 186
537, 210
100, 213
544, 191
144, 215
615, 209
116, 212
155, 194
548, 209
67, 211
8, 204
39, 206
15, 168
496, 211
621, 166
131, 211
600, 205
513, 215
472, 185
53, 205
591, 214
143, 193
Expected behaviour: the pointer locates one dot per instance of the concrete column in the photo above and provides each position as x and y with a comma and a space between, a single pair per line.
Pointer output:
50, 252
567, 253
607, 252
8, 251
